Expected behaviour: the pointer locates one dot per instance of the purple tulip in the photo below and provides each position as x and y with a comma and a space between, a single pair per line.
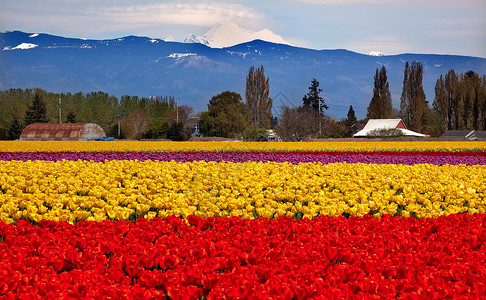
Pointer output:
240, 157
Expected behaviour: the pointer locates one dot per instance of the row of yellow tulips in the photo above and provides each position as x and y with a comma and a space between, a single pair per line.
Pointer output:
152, 146
119, 190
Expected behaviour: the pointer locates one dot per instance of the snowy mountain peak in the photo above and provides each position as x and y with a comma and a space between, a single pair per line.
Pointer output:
375, 53
229, 34
196, 39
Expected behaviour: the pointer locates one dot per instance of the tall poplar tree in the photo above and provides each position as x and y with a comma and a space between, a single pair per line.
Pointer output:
482, 104
412, 102
441, 103
257, 99
451, 82
380, 106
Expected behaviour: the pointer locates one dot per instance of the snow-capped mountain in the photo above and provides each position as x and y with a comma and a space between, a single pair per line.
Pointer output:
229, 34
376, 53
144, 67
196, 39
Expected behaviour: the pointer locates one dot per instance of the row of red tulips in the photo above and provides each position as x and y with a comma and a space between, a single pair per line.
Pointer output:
220, 258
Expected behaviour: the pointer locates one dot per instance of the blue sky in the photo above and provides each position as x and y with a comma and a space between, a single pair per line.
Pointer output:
388, 26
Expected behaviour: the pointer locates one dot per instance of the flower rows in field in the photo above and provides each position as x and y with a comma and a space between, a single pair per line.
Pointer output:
137, 146
231, 258
121, 190
405, 158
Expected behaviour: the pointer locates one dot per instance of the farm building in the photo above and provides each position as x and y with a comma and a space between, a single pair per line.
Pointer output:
62, 132
471, 135
193, 124
373, 126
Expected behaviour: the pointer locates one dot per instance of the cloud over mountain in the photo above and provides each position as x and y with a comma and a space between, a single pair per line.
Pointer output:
228, 34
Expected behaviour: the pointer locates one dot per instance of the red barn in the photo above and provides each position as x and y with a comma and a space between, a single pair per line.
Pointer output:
62, 132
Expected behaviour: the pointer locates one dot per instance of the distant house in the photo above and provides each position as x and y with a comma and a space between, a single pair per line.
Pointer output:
374, 125
269, 137
62, 132
193, 124
471, 135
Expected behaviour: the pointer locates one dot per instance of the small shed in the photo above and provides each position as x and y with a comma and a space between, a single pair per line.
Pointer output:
377, 124
62, 132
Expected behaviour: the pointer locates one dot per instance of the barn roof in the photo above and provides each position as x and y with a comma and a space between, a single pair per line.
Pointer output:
377, 124
456, 133
61, 132
467, 134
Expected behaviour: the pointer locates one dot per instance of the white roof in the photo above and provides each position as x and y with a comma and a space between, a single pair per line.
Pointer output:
374, 124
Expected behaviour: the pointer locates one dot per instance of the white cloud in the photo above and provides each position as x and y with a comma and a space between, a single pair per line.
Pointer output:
388, 2
182, 13
94, 18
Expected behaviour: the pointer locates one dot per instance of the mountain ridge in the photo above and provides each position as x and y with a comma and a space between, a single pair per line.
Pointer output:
144, 67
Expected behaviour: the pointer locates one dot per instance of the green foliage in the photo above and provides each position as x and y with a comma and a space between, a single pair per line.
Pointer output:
158, 130
71, 117
37, 112
176, 132
227, 116
36, 105
115, 131
251, 134
386, 132
15, 130
3, 133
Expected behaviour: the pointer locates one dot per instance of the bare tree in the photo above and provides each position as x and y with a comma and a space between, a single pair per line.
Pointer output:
257, 99
139, 122
296, 124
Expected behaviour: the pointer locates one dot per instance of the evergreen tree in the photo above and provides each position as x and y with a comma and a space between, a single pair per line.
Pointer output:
313, 100
380, 106
71, 117
37, 111
351, 117
350, 121
15, 129
176, 131
259, 104
412, 102
273, 122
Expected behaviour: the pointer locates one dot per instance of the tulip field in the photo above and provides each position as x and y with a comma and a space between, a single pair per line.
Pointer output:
238, 220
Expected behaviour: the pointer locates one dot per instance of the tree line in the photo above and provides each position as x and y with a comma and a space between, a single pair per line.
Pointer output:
459, 103
128, 117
